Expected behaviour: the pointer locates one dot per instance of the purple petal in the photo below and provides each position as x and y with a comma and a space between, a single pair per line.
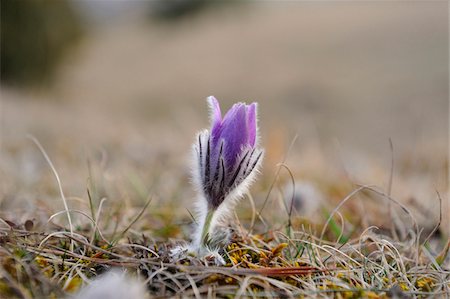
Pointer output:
216, 116
227, 154
234, 132
251, 124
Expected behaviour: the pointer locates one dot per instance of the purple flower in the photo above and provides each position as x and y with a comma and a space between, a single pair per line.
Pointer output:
226, 160
228, 156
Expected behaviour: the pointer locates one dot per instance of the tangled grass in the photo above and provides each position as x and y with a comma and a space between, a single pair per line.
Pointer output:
291, 260
280, 263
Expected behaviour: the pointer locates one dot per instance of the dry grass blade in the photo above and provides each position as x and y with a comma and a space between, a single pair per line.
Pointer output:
55, 173
277, 174
46, 262
138, 216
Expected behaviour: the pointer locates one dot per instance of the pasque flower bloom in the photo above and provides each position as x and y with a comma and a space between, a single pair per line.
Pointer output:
226, 159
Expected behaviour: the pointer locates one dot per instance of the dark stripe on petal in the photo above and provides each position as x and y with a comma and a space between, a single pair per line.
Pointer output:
200, 154
207, 165
249, 170
222, 180
238, 169
216, 198
248, 162
215, 188
255, 163
216, 174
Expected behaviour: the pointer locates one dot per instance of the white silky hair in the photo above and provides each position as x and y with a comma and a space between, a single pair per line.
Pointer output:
201, 204
225, 209
218, 233
114, 284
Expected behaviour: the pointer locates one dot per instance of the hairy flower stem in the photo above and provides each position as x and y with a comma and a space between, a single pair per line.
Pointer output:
226, 161
206, 226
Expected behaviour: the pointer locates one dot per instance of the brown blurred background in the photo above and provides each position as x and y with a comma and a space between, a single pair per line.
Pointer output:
119, 87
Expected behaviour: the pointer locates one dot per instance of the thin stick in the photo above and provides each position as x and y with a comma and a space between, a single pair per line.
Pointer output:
55, 173
391, 175
389, 189
133, 222
440, 220
192, 216
277, 174
292, 198
96, 220
339, 206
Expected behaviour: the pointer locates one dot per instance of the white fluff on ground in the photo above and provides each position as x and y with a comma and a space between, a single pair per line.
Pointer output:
114, 284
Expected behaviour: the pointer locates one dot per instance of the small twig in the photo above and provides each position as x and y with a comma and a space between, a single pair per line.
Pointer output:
115, 240
389, 190
339, 206
96, 220
55, 173
292, 197
277, 174
439, 222
192, 216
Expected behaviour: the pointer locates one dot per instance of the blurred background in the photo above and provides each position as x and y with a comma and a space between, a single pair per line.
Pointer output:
115, 92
